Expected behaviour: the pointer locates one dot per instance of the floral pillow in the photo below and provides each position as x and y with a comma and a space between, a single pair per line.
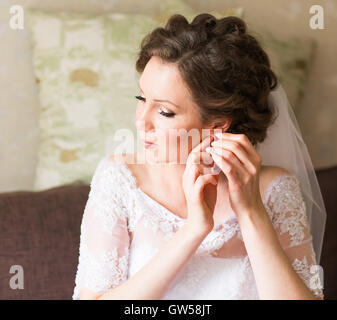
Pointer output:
85, 72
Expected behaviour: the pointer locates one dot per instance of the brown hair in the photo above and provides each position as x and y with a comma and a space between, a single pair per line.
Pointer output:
227, 71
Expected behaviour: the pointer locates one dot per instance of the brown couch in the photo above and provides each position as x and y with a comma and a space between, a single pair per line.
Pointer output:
41, 231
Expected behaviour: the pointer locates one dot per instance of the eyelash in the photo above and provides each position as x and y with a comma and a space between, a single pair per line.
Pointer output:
165, 114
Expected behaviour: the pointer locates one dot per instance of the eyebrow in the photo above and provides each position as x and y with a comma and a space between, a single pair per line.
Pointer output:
157, 100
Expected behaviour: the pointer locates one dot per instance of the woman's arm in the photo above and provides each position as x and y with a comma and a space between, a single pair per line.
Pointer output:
275, 277
152, 281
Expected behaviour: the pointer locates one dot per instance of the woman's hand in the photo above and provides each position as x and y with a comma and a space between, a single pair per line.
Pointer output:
200, 188
240, 162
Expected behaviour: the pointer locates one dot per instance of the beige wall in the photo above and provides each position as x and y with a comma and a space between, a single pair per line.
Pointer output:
19, 107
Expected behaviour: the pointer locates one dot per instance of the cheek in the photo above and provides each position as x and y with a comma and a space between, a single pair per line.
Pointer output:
182, 139
138, 111
164, 136
167, 138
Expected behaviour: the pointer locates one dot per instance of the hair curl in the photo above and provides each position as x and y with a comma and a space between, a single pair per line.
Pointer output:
227, 71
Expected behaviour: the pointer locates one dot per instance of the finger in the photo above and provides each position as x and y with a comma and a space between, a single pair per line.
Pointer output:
191, 174
201, 182
203, 144
242, 139
227, 155
194, 169
207, 164
197, 157
228, 163
205, 169
206, 158
193, 166
238, 150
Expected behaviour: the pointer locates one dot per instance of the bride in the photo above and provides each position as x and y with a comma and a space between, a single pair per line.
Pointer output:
216, 221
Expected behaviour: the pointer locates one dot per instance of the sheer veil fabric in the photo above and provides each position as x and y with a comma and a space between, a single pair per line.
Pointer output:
284, 146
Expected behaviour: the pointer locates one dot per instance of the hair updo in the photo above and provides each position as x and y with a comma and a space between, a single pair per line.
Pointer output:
227, 71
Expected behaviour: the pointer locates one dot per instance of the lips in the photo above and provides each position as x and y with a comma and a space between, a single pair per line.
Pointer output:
148, 142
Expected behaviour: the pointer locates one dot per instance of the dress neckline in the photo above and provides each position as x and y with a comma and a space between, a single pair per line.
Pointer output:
180, 220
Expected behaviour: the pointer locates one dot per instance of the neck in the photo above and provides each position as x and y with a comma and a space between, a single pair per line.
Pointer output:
168, 175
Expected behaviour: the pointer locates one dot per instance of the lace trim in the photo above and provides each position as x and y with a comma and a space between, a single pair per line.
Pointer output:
169, 225
310, 275
102, 272
281, 196
106, 201
166, 221
289, 212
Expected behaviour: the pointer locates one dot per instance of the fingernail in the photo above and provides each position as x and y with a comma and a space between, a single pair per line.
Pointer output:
218, 134
208, 149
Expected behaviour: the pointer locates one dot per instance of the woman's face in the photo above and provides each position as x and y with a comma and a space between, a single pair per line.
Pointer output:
167, 123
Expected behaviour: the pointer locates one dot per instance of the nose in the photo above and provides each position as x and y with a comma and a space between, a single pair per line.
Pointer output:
143, 120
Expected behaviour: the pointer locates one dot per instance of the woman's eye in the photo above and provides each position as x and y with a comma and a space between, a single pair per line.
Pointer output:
165, 114
140, 98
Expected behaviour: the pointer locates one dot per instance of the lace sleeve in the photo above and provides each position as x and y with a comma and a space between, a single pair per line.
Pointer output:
291, 224
104, 240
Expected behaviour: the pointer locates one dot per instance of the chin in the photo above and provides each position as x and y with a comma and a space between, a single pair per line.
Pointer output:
156, 155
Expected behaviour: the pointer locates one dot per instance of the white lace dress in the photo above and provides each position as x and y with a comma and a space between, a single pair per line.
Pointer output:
123, 228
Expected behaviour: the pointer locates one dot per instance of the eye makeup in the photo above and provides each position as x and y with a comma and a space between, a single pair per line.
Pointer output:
165, 114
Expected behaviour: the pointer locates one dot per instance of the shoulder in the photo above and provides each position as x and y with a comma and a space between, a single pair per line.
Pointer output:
273, 175
269, 173
283, 199
108, 171
114, 161
118, 158
115, 158
119, 165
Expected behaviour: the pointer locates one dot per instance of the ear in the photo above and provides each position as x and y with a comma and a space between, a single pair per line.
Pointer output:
220, 127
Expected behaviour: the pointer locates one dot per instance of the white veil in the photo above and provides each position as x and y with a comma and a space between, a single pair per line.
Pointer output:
284, 147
